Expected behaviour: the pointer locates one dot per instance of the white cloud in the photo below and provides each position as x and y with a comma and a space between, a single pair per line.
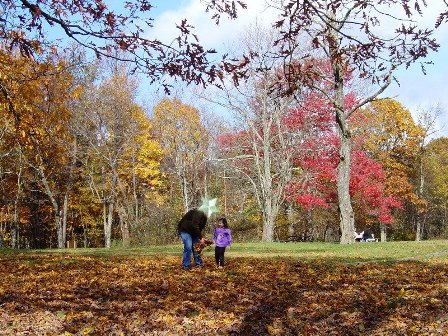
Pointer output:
416, 89
211, 35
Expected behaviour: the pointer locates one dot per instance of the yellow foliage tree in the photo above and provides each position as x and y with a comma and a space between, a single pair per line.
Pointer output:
35, 96
122, 158
393, 138
140, 178
185, 141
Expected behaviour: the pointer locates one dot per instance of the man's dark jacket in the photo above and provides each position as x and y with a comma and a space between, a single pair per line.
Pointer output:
193, 222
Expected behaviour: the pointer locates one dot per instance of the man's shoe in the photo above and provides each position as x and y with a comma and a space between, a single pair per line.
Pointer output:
185, 268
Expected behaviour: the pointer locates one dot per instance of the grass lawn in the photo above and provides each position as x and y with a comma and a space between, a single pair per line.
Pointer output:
395, 288
359, 252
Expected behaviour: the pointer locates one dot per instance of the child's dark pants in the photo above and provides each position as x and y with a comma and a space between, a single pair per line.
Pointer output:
219, 255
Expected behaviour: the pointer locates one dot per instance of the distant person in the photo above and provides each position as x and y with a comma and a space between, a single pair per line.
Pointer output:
190, 231
366, 235
222, 237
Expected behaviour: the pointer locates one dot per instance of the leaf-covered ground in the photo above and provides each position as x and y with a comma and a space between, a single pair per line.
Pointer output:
146, 295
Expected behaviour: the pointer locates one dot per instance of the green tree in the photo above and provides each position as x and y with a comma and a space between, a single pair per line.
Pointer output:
436, 185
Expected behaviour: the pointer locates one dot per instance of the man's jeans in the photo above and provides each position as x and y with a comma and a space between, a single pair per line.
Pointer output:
189, 242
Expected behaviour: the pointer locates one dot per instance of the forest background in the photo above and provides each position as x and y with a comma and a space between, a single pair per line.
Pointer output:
83, 159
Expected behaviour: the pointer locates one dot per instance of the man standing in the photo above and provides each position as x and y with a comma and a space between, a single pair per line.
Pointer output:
190, 230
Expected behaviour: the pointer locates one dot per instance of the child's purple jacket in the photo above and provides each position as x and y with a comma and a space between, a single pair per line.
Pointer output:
222, 237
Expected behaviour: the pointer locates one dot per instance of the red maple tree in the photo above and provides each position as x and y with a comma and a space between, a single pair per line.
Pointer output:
317, 159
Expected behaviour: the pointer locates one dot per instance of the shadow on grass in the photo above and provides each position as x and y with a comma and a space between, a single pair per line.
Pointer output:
330, 298
278, 296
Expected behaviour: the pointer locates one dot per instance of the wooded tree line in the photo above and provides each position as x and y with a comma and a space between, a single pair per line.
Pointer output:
86, 162
315, 153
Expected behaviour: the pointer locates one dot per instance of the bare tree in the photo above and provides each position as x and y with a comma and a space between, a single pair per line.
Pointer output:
264, 150
352, 36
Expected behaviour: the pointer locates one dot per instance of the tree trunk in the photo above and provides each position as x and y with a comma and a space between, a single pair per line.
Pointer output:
127, 212
267, 192
104, 219
346, 217
84, 232
445, 220
268, 228
383, 233
291, 223
56, 208
269, 215
205, 180
225, 193
61, 235
134, 190
15, 230
347, 223
418, 231
185, 192
124, 226
64, 217
110, 210
67, 191
108, 225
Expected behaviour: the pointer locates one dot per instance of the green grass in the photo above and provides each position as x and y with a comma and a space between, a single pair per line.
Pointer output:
359, 252
436, 250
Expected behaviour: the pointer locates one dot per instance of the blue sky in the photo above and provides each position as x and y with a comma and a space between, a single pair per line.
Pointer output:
416, 90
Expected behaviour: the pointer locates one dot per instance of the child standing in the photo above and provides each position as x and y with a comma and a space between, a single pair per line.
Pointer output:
222, 237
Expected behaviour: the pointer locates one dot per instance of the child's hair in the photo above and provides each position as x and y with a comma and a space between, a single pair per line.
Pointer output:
224, 221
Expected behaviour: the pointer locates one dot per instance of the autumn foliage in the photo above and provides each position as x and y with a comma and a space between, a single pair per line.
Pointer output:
83, 161
115, 30
45, 294
317, 158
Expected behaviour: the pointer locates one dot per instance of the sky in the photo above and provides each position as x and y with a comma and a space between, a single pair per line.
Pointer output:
416, 90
